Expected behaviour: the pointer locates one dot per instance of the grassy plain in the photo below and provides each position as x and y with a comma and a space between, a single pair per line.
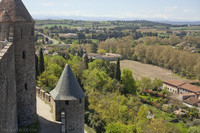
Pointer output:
146, 70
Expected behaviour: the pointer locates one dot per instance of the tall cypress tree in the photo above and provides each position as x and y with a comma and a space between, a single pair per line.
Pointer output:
36, 66
41, 63
118, 71
86, 60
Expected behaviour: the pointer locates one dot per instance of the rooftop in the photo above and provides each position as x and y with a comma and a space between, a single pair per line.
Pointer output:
67, 87
14, 10
190, 87
175, 82
191, 101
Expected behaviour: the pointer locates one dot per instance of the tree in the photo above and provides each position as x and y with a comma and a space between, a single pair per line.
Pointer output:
41, 62
157, 126
86, 60
36, 66
101, 51
145, 84
118, 71
195, 129
157, 83
173, 39
128, 82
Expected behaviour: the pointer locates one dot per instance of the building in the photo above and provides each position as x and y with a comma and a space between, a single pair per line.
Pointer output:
187, 93
69, 100
108, 56
191, 101
17, 67
173, 85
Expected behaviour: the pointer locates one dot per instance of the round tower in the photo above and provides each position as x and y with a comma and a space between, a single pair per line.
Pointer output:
68, 98
21, 33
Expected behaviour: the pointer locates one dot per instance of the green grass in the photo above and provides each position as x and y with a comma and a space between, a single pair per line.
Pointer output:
191, 28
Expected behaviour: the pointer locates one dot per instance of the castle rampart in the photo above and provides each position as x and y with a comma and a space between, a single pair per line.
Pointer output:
8, 102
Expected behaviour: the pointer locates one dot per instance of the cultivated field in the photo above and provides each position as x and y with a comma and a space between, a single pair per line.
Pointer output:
145, 70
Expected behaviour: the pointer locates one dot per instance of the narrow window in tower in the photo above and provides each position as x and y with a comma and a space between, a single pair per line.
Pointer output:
80, 101
66, 102
24, 55
25, 87
21, 34
0, 28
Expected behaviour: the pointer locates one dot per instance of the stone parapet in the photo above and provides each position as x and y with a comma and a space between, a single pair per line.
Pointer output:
4, 49
43, 95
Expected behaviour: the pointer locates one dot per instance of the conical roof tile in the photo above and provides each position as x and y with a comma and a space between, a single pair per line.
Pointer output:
67, 87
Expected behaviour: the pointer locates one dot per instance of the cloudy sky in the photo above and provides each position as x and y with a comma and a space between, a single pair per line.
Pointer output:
176, 10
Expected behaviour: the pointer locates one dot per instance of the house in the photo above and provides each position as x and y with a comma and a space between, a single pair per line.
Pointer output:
94, 56
173, 85
191, 101
189, 88
184, 96
180, 87
108, 56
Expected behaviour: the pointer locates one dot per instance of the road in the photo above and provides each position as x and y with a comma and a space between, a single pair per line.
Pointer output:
47, 123
50, 39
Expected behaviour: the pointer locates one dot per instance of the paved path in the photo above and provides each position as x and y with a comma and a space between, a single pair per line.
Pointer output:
47, 123
51, 39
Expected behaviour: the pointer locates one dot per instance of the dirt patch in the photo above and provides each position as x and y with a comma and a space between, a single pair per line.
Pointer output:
146, 70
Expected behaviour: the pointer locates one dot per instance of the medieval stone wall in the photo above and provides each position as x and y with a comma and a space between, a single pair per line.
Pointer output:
25, 72
74, 116
8, 103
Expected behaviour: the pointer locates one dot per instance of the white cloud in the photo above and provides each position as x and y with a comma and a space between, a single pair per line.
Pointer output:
170, 9
48, 4
188, 10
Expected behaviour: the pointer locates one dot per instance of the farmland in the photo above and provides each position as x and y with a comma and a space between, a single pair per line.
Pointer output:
145, 70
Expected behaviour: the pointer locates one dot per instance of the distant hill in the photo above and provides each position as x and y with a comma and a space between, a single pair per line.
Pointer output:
180, 23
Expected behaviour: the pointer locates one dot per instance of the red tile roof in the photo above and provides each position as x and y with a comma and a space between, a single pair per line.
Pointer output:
188, 94
190, 87
174, 82
191, 101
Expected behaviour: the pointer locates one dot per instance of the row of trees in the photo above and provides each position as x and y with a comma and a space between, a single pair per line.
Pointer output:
181, 62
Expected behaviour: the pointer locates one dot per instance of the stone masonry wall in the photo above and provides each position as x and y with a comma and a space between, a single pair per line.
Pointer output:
25, 72
8, 103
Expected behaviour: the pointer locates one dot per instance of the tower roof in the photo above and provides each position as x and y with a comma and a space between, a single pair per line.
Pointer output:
67, 87
16, 11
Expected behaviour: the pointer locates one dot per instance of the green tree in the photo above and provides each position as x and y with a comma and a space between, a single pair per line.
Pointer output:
128, 82
86, 60
41, 62
118, 71
36, 66
157, 83
195, 129
145, 84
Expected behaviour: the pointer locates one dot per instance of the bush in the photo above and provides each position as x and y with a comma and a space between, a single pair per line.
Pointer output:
196, 122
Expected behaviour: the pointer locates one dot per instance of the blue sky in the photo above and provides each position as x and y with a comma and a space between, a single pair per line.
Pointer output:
174, 10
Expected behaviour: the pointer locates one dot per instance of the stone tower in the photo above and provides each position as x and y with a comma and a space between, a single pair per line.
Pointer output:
69, 98
17, 26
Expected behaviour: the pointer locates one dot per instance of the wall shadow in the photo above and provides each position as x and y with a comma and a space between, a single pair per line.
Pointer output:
47, 126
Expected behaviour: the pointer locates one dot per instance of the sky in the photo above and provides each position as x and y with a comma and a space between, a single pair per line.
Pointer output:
167, 10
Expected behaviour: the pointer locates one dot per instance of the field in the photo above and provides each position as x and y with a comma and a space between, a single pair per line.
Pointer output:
145, 70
